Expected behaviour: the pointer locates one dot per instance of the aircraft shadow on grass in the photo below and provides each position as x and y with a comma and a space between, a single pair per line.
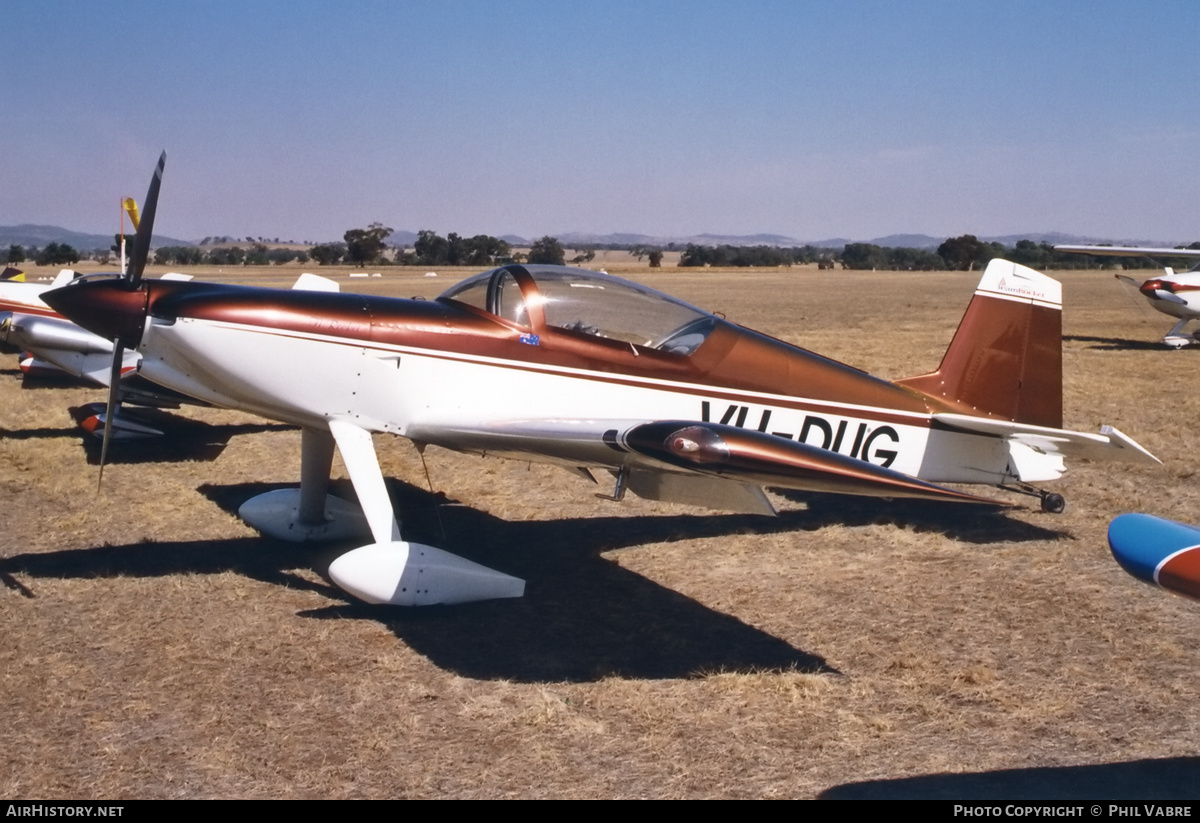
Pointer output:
583, 616
183, 439
1117, 343
1173, 778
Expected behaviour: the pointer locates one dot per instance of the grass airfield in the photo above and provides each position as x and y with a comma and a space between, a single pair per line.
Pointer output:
156, 647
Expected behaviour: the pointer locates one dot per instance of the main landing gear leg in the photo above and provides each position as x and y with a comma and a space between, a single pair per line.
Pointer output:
394, 571
1051, 502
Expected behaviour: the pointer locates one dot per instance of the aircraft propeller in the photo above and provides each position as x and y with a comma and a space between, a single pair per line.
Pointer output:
132, 279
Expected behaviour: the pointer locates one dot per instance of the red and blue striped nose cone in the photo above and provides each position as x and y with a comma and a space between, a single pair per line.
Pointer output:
1158, 551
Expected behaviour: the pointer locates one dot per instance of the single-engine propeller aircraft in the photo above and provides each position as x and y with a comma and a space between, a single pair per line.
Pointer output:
593, 373
1176, 294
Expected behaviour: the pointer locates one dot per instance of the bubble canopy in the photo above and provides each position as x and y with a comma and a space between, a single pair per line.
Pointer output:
585, 302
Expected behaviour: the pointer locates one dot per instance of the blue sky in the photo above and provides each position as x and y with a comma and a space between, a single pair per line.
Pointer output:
809, 119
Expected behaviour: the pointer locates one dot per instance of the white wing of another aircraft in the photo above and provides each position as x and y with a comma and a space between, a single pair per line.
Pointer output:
1174, 294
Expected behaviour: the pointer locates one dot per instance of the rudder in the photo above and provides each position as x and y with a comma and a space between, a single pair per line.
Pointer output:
1006, 357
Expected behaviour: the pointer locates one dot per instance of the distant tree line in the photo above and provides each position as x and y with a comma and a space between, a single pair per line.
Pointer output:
51, 254
256, 255
738, 256
963, 253
369, 247
968, 253
431, 249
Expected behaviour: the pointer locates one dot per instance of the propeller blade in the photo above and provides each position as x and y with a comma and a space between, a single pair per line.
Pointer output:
1169, 297
110, 410
145, 227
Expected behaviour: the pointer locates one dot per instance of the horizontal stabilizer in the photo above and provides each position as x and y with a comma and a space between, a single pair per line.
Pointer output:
315, 282
1109, 444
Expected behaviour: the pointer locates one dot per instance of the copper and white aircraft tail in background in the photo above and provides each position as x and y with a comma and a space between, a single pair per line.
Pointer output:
1174, 294
596, 374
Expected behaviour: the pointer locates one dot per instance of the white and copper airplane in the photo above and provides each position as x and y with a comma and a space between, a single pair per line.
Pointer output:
593, 373
1175, 294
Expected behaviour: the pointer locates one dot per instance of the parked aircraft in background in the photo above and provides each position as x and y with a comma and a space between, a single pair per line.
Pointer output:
49, 345
1158, 551
1175, 294
593, 373
52, 342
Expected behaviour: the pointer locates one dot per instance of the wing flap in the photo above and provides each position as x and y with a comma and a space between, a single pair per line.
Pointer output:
700, 490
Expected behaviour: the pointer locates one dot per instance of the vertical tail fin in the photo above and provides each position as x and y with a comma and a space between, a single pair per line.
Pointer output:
1006, 357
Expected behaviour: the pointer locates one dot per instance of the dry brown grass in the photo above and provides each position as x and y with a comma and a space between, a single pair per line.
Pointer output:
155, 647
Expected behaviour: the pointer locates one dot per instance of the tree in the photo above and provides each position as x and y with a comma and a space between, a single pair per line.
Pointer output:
16, 254
57, 254
547, 250
366, 245
962, 253
278, 257
430, 249
178, 256
226, 256
656, 257
456, 250
256, 256
864, 256
485, 250
327, 254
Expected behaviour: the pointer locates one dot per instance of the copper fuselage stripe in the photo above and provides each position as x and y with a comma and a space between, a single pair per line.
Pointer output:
782, 401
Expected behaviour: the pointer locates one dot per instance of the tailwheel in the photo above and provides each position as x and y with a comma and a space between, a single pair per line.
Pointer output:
1051, 502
